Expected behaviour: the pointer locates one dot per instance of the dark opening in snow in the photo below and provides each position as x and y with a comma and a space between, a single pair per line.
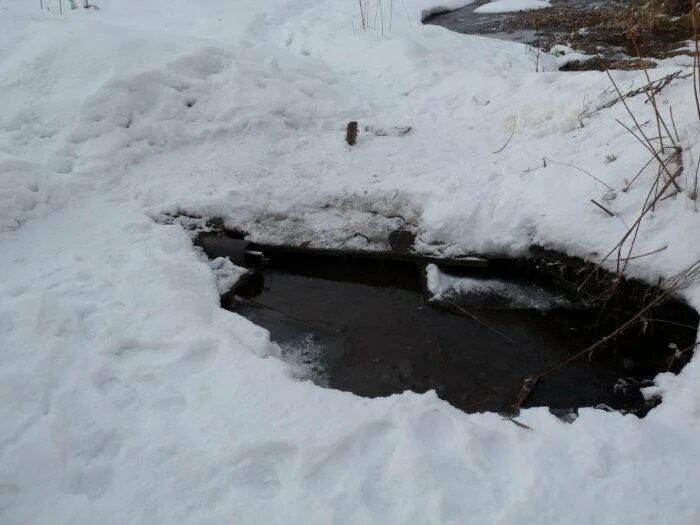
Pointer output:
373, 324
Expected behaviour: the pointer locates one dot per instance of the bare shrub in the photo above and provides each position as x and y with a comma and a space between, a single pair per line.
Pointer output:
375, 15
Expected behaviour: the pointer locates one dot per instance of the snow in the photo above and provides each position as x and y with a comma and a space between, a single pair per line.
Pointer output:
444, 7
130, 396
509, 6
494, 292
227, 274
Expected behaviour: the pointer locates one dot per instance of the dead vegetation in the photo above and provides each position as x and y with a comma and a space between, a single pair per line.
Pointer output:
618, 64
664, 177
663, 144
659, 24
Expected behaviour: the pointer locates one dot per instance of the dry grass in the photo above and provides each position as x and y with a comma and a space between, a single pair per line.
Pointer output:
603, 63
660, 139
646, 20
375, 15
663, 143
695, 23
658, 24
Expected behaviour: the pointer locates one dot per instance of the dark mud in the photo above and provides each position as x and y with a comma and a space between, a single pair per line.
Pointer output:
365, 325
595, 28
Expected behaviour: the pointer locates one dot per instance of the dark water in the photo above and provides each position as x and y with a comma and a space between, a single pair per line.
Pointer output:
365, 326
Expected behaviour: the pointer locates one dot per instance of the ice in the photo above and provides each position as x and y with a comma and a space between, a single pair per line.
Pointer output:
501, 293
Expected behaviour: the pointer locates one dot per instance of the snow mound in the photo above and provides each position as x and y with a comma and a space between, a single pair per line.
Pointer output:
510, 6
210, 93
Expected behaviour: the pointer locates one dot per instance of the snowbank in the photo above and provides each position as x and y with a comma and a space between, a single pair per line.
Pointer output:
444, 7
509, 6
130, 396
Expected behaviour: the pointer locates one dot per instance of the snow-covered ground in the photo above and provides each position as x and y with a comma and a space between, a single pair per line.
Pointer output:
129, 396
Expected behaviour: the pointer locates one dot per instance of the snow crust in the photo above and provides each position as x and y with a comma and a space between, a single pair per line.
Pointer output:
509, 6
129, 396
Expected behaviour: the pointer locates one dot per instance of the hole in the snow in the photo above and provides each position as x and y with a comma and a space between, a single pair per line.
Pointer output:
378, 324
